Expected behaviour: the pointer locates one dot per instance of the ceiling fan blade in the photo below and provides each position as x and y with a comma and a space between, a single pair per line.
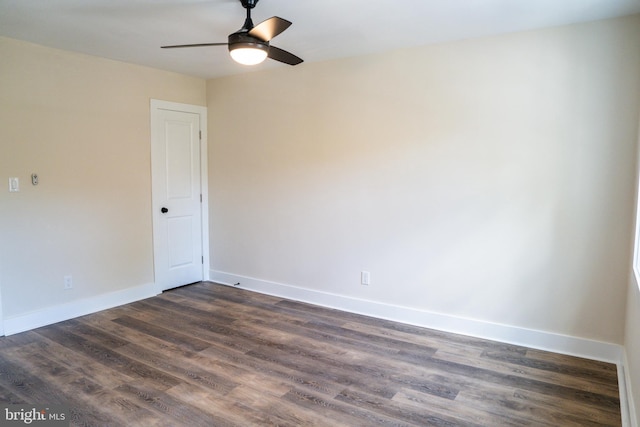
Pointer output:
268, 29
194, 45
283, 56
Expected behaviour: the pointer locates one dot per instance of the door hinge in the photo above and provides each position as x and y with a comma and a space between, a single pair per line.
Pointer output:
201, 198
200, 134
202, 258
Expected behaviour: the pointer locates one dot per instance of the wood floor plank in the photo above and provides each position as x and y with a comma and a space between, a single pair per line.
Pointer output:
533, 407
472, 415
594, 375
107, 357
179, 411
276, 370
79, 388
415, 331
163, 333
183, 369
213, 355
79, 362
9, 398
549, 388
579, 382
341, 414
42, 389
238, 407
397, 411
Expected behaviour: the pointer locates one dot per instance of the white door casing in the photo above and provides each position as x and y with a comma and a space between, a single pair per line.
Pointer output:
179, 196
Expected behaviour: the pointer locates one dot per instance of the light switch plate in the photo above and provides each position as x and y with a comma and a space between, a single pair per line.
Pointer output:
365, 278
14, 185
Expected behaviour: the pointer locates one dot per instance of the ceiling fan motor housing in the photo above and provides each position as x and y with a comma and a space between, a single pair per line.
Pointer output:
243, 40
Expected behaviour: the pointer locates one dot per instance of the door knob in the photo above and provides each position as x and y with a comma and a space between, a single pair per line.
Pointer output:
164, 210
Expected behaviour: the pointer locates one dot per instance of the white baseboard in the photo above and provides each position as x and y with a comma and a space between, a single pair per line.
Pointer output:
542, 340
77, 308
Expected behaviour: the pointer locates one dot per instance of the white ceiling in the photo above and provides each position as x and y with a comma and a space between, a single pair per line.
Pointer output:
133, 30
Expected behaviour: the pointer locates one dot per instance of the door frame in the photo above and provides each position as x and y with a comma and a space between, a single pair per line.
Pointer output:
156, 107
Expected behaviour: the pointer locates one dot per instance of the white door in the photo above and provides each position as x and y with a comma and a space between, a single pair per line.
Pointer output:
177, 197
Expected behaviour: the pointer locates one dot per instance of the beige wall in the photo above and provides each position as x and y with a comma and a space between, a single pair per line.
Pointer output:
82, 124
490, 179
632, 325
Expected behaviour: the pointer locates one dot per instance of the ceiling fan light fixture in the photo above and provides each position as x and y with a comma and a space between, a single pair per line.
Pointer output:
248, 54
250, 44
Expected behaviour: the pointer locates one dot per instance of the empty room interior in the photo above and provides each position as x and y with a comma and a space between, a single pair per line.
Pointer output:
431, 220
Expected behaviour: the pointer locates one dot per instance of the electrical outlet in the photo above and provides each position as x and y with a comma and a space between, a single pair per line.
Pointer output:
68, 282
365, 278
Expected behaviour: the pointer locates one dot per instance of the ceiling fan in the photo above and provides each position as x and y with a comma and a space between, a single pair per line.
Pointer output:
250, 44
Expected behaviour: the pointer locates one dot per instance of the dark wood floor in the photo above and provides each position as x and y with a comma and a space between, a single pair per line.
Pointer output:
211, 355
